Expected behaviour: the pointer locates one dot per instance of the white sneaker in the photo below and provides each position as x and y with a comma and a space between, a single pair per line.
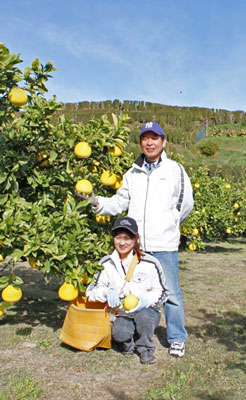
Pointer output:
177, 349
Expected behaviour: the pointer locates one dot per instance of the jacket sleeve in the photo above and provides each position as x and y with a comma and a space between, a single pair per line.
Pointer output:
159, 291
187, 202
98, 289
116, 204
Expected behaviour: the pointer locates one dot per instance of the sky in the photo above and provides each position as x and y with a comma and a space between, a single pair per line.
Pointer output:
173, 52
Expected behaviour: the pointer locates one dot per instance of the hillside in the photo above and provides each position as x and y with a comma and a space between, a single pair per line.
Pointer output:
223, 146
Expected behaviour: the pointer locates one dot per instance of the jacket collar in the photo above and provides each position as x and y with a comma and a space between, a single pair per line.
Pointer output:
140, 160
116, 258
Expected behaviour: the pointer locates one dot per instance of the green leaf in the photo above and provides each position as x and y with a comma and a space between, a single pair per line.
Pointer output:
4, 281
115, 120
17, 280
17, 254
3, 177
35, 64
3, 199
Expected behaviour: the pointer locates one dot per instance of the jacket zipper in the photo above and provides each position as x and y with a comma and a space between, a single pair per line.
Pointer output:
145, 204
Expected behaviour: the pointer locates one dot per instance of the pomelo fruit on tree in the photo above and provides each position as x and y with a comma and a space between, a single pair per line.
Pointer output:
83, 186
82, 150
11, 294
17, 97
116, 151
68, 292
108, 178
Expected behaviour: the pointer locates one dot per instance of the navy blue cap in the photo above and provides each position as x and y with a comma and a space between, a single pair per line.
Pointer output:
152, 127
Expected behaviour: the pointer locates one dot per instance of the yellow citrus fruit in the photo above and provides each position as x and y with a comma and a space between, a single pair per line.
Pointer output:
1, 311
83, 186
93, 168
102, 219
118, 183
11, 294
196, 232
108, 178
82, 150
116, 151
68, 292
1, 258
236, 205
192, 247
1, 242
228, 230
197, 185
17, 97
41, 156
32, 263
84, 279
228, 186
130, 302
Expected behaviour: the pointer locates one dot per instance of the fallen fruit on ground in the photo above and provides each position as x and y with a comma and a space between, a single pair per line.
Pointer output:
108, 178
82, 150
11, 294
130, 302
116, 151
17, 97
83, 186
68, 292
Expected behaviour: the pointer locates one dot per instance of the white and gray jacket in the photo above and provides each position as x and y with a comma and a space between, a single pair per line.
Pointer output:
148, 280
159, 202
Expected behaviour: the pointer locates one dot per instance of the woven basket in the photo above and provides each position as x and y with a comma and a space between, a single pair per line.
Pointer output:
87, 325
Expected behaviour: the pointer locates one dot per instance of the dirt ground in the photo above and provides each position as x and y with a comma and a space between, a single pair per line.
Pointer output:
214, 367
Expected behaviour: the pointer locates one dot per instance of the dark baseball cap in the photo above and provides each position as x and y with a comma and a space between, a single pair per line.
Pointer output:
127, 223
152, 126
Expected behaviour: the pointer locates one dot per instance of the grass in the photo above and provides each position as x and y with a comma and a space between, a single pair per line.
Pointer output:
36, 365
21, 388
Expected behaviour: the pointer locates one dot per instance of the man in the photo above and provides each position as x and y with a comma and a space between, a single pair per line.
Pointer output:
157, 193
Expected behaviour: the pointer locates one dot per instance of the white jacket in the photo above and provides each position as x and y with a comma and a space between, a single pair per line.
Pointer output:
159, 202
147, 281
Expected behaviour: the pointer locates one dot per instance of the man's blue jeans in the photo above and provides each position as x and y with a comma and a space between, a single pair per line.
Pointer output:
174, 307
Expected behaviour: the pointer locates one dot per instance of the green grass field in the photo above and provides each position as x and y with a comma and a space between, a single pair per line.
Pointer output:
35, 364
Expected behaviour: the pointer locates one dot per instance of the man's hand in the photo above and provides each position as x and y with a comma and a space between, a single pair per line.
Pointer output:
90, 197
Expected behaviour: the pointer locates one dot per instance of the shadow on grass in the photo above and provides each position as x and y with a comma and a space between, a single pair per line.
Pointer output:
33, 313
39, 305
161, 334
229, 329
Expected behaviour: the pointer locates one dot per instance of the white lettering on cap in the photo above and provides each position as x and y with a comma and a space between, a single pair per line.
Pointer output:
149, 125
125, 222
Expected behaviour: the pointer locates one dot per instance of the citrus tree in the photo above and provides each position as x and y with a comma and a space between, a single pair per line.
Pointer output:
219, 209
42, 159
